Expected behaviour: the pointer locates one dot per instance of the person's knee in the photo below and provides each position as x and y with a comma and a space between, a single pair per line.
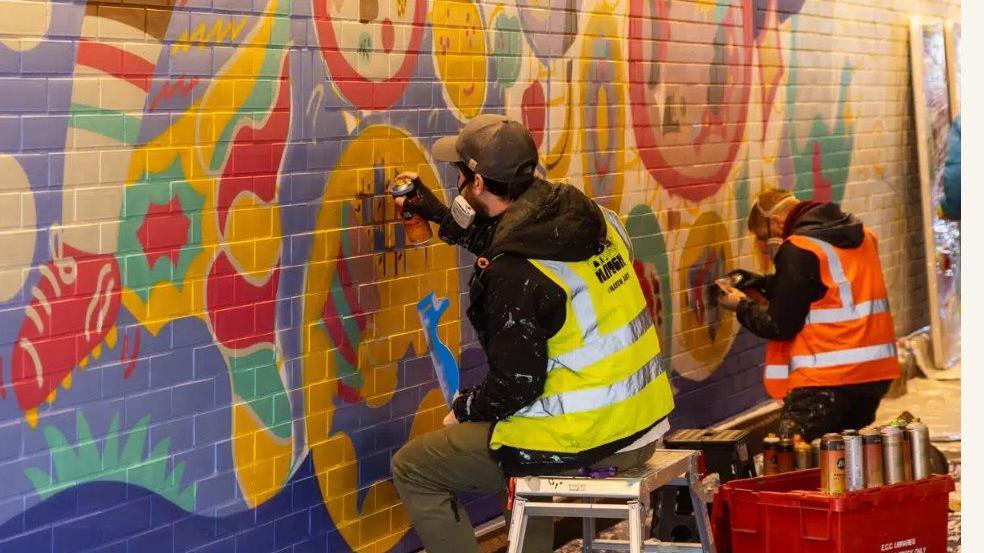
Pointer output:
400, 464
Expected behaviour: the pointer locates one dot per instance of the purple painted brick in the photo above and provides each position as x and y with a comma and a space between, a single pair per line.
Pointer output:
160, 540
39, 541
291, 529
52, 57
258, 539
24, 94
10, 133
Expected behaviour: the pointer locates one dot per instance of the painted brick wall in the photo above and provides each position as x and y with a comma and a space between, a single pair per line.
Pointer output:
212, 334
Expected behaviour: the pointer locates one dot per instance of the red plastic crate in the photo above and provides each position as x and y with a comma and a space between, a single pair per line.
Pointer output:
786, 513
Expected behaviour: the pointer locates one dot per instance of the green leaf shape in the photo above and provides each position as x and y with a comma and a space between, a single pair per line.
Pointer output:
84, 462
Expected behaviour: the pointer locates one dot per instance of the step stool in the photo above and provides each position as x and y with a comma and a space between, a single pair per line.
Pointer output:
631, 489
725, 452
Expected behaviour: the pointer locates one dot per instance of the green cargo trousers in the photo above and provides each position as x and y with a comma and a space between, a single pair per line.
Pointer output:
432, 468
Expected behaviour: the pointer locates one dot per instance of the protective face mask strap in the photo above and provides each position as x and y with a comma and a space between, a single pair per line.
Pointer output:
776, 207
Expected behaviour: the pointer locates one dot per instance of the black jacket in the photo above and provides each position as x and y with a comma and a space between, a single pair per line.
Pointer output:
796, 283
515, 309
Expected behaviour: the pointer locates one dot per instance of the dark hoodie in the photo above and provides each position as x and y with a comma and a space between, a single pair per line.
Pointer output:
516, 309
796, 283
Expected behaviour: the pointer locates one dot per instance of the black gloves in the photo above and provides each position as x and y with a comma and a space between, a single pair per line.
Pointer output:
747, 280
425, 203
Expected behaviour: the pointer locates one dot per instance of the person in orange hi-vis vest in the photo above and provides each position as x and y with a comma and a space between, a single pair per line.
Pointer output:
831, 351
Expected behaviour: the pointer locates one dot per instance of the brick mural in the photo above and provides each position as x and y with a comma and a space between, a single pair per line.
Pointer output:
213, 334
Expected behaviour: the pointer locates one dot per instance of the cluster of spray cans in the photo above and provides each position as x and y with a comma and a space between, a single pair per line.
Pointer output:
853, 460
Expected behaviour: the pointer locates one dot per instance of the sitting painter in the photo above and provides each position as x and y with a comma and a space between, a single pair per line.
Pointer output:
831, 350
574, 378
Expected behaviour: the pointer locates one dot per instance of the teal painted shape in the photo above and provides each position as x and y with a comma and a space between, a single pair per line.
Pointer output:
265, 87
742, 200
507, 49
255, 378
85, 462
650, 250
158, 188
822, 165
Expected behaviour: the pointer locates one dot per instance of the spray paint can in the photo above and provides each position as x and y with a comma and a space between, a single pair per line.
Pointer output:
906, 448
815, 446
785, 455
892, 459
906, 454
770, 455
919, 438
417, 229
804, 455
832, 476
853, 460
871, 441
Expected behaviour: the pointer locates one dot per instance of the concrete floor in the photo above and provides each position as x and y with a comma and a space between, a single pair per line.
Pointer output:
936, 403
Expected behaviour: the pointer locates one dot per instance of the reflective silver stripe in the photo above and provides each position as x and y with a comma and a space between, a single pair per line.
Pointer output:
836, 271
617, 224
591, 399
609, 344
584, 311
848, 313
777, 372
843, 357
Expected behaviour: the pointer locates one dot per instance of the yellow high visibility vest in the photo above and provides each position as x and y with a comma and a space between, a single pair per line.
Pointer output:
605, 380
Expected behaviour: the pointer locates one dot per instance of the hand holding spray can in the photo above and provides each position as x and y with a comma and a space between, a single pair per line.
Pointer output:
417, 229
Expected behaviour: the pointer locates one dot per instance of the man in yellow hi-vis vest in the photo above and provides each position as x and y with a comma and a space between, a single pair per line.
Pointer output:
831, 352
574, 379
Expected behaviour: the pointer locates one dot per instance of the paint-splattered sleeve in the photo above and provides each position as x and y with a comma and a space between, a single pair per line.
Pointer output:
795, 285
524, 309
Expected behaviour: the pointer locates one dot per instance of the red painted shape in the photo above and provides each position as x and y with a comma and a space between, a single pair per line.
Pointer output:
332, 318
650, 291
242, 314
366, 93
822, 186
534, 109
75, 311
677, 177
116, 62
170, 89
256, 154
389, 35
163, 232
348, 394
132, 364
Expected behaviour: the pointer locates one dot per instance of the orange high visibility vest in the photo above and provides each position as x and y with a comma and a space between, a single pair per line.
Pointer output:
849, 336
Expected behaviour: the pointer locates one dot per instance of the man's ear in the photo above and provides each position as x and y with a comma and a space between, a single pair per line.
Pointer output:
479, 184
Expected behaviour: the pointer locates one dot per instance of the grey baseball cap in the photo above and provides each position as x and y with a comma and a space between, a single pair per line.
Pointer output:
496, 146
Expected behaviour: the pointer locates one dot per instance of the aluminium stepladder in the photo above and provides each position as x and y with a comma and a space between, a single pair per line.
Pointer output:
629, 492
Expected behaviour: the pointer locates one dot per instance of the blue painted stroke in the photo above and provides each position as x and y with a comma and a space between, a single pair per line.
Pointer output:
430, 309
